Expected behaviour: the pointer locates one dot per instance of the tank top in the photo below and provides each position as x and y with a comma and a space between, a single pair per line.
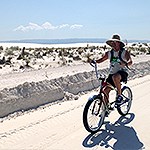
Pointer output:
115, 62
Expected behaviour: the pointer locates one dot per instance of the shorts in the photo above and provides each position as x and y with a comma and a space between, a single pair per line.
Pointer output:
123, 74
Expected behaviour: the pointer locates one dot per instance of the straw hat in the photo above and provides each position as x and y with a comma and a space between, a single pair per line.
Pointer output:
115, 37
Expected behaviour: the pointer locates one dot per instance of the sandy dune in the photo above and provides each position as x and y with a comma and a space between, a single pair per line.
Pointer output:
59, 126
14, 79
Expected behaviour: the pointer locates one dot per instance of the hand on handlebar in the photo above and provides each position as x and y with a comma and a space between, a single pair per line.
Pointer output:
123, 64
91, 61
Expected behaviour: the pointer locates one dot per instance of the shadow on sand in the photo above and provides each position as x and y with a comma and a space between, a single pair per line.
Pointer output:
124, 137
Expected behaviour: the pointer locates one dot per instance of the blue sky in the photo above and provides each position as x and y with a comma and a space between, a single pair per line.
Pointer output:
59, 19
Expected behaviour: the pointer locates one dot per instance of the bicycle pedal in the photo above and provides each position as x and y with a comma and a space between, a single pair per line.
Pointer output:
107, 114
111, 108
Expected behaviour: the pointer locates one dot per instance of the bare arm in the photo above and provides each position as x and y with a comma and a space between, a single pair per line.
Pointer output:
128, 57
105, 57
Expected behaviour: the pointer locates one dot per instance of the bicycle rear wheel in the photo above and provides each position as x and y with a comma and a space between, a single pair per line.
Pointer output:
93, 115
124, 108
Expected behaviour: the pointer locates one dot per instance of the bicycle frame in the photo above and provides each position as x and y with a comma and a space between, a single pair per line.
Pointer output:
97, 108
103, 84
102, 80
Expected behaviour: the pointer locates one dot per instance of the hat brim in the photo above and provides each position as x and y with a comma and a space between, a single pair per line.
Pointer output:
112, 44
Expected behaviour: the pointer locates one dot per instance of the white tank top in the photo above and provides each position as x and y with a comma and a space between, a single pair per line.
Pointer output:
115, 63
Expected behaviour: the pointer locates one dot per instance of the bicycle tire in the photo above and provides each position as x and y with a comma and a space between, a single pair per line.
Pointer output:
95, 109
124, 108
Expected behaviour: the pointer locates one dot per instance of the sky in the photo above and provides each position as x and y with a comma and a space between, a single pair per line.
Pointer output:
61, 19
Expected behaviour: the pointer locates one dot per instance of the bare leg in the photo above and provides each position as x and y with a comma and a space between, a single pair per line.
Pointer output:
116, 78
107, 91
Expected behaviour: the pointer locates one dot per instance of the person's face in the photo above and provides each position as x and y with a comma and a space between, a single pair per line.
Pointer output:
116, 45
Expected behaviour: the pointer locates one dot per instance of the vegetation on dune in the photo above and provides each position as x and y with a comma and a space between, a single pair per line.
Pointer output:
62, 56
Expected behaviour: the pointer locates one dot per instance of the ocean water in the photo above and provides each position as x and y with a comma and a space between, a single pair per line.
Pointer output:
69, 41
59, 41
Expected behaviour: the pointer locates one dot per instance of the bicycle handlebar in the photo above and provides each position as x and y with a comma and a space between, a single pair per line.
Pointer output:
94, 64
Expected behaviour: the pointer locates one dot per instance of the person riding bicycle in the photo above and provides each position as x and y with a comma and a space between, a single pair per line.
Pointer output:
120, 59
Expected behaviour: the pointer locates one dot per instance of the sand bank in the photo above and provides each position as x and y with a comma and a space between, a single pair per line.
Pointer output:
33, 94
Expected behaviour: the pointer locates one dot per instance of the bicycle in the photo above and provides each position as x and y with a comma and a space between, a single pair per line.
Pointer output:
96, 109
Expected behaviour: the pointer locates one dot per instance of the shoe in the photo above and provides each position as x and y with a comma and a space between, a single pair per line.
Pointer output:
119, 100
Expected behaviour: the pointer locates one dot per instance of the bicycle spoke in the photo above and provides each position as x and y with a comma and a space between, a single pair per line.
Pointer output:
124, 108
94, 115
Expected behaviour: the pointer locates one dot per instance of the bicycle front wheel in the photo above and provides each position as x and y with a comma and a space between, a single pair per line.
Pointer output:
93, 115
124, 108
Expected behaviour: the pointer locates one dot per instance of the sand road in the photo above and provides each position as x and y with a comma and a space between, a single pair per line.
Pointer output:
59, 126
